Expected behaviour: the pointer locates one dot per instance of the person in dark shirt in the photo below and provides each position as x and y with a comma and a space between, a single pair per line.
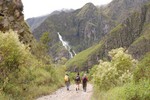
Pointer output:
84, 82
77, 81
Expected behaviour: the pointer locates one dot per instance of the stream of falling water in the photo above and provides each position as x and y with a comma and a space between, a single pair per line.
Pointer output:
67, 46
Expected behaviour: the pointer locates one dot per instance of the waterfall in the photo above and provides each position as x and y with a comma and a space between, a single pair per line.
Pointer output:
66, 45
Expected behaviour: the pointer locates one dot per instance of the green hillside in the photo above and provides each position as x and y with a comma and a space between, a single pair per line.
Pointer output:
80, 61
132, 34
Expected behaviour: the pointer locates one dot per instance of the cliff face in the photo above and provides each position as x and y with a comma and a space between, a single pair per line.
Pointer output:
11, 17
119, 10
132, 34
142, 44
92, 25
81, 28
86, 26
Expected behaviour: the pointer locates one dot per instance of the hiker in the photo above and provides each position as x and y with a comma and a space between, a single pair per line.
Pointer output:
77, 81
67, 81
84, 82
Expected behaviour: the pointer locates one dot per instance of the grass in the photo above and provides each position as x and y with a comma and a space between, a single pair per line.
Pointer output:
112, 94
129, 91
81, 59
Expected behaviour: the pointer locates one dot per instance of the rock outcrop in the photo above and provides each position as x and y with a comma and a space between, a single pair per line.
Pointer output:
119, 10
11, 17
133, 34
142, 44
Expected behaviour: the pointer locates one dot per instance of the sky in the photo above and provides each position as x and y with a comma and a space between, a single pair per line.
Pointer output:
35, 8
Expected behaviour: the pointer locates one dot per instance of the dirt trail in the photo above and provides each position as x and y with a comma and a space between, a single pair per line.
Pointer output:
72, 94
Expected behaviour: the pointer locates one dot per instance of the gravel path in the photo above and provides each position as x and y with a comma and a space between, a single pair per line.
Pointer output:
72, 94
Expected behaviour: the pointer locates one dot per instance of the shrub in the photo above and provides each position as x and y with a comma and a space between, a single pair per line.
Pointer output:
13, 54
116, 72
143, 69
140, 91
92, 71
21, 73
129, 91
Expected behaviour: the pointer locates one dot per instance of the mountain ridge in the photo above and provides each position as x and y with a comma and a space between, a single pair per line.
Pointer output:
132, 34
82, 27
86, 26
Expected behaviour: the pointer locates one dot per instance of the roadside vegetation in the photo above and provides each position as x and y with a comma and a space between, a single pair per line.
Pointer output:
25, 75
122, 78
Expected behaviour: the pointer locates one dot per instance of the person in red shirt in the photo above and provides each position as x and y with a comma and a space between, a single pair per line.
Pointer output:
84, 82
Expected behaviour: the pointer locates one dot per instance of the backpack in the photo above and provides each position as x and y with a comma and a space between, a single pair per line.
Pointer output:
84, 80
77, 78
66, 78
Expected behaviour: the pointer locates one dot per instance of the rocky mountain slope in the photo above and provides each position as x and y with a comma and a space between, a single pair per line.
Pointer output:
86, 26
11, 17
81, 28
119, 10
36, 21
132, 34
